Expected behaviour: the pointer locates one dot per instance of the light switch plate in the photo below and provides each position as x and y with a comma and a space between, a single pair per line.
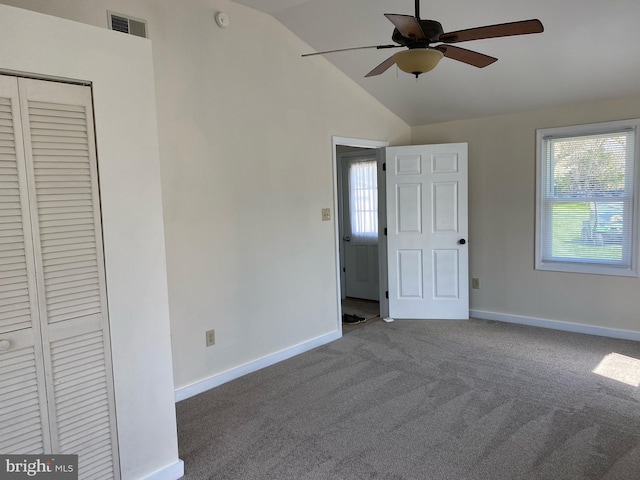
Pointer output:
326, 214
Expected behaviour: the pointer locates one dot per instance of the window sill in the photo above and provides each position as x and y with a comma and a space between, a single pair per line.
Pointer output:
590, 268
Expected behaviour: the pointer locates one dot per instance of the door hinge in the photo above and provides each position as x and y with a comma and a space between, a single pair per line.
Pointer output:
384, 167
344, 270
385, 231
386, 294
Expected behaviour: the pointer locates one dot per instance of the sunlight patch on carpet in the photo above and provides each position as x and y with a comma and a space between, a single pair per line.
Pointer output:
620, 368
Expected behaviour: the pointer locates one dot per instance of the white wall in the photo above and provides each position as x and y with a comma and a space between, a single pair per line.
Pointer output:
245, 128
127, 146
502, 221
247, 168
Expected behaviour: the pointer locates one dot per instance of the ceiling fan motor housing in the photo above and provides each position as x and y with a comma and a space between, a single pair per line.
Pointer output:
432, 31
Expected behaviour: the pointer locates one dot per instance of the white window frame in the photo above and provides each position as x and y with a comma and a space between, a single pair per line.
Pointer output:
586, 266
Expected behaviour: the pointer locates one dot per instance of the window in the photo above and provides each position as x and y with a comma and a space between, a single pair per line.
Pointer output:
363, 201
586, 196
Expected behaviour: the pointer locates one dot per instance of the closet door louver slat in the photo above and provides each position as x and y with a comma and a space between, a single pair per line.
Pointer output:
77, 360
21, 426
15, 302
62, 189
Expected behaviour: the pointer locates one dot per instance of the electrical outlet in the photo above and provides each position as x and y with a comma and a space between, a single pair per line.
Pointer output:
326, 214
475, 283
211, 337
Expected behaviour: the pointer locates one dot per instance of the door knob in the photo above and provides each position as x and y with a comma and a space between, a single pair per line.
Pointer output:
347, 238
462, 241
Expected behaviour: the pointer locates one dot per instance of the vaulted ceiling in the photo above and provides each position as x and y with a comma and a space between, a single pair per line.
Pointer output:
588, 51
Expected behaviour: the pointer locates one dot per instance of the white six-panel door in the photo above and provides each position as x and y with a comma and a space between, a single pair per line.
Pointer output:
427, 212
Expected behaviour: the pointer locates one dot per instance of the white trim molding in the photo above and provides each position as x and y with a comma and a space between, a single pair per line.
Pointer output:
237, 372
170, 472
557, 325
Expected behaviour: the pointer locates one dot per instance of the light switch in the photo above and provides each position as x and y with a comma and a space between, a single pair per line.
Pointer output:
326, 214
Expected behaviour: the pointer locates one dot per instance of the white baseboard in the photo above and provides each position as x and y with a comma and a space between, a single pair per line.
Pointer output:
170, 472
557, 325
224, 377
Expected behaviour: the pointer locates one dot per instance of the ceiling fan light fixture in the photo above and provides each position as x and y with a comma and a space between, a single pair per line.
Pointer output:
418, 60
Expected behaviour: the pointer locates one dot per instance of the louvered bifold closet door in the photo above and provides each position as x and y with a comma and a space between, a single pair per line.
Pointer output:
62, 175
23, 406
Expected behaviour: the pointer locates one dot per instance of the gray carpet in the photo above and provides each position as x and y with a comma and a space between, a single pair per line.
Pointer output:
424, 400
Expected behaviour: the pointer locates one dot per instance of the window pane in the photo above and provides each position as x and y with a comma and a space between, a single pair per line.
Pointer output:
363, 201
590, 166
585, 231
594, 168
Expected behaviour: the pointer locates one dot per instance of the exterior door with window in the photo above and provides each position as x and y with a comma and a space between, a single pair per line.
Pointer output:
428, 258
360, 224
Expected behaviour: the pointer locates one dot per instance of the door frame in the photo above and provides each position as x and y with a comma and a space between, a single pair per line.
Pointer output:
382, 243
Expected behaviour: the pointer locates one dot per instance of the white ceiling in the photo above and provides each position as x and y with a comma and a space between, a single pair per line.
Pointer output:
589, 51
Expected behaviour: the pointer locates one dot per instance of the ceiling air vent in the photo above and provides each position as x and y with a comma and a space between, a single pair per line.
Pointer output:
124, 24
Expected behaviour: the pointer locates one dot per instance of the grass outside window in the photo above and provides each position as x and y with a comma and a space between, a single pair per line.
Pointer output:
569, 240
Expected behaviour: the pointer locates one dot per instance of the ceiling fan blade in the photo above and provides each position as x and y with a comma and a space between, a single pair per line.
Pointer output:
492, 31
407, 25
476, 59
379, 47
383, 67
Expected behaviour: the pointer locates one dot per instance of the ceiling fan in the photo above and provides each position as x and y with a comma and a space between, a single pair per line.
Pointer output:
418, 35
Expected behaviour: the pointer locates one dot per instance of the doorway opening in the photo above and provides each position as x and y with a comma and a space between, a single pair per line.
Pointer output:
423, 257
357, 169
